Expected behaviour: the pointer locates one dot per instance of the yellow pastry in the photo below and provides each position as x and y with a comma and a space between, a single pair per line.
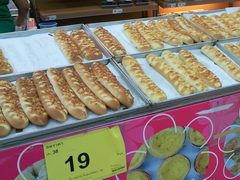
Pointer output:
138, 158
195, 137
201, 162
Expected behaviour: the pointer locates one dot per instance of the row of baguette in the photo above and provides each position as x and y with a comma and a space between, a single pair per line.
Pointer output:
184, 72
57, 93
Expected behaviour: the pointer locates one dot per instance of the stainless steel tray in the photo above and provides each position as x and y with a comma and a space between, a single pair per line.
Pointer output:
54, 127
230, 86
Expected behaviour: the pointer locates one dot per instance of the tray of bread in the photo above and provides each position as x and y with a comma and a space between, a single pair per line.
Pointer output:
29, 51
220, 24
182, 74
135, 36
56, 99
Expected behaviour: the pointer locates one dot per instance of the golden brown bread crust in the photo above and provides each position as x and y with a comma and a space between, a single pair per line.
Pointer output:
232, 21
110, 82
148, 34
89, 50
5, 67
67, 46
206, 75
233, 49
96, 87
83, 92
10, 105
114, 46
136, 38
5, 128
48, 97
154, 93
181, 85
66, 95
30, 101
222, 61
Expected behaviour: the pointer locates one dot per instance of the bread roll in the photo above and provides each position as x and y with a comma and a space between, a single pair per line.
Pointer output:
111, 43
188, 74
66, 95
222, 61
200, 36
110, 82
154, 93
30, 102
206, 75
181, 85
149, 35
5, 128
67, 46
163, 36
96, 87
11, 107
83, 92
233, 49
48, 97
5, 67
136, 38
86, 45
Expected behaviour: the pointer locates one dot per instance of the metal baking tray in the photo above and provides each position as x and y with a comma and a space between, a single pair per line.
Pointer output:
116, 29
54, 126
221, 43
230, 86
36, 50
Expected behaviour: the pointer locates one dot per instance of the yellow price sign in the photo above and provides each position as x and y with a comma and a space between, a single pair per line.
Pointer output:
93, 155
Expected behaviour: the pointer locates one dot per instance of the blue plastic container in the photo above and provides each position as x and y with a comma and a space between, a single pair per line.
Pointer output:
47, 25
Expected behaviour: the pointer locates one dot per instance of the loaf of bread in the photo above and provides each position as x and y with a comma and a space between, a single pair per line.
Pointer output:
154, 93
89, 50
206, 75
200, 36
199, 22
166, 28
149, 35
136, 38
110, 82
189, 75
66, 95
222, 61
83, 92
48, 97
111, 43
96, 87
5, 128
181, 85
233, 22
30, 101
5, 67
156, 29
233, 49
10, 105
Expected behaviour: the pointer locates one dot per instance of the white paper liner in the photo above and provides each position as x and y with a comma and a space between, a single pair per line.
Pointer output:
232, 9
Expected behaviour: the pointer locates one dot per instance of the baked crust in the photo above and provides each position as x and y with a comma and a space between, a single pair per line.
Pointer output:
5, 66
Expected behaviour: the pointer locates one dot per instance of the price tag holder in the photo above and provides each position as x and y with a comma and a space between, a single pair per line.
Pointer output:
93, 155
117, 11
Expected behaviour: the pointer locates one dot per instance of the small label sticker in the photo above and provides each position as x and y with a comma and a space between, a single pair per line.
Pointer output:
50, 18
117, 11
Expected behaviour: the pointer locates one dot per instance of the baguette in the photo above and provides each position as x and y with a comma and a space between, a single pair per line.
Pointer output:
206, 75
222, 61
233, 49
5, 128
189, 75
163, 36
67, 46
135, 71
233, 22
48, 97
154, 42
86, 45
5, 67
68, 98
10, 105
111, 43
136, 38
83, 92
30, 102
181, 85
91, 81
200, 36
110, 82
